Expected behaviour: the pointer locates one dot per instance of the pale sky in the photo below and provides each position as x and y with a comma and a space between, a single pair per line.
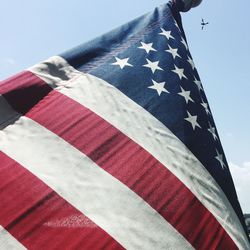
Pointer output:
32, 31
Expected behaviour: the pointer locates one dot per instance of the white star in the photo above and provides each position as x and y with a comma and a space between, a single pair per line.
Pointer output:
152, 65
167, 34
213, 132
184, 43
191, 62
186, 95
205, 106
147, 46
179, 72
122, 62
193, 120
159, 87
198, 83
219, 157
176, 24
172, 51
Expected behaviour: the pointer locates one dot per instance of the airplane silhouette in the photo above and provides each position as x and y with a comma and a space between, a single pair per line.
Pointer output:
203, 24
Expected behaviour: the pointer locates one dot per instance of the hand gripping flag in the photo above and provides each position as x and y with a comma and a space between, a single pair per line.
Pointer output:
112, 145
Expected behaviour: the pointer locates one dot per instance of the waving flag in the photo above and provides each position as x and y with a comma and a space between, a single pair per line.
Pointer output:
112, 145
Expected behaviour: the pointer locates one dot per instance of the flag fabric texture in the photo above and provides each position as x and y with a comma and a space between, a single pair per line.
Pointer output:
112, 145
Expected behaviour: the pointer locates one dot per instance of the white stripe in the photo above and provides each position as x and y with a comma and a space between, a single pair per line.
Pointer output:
7, 114
100, 196
138, 124
8, 242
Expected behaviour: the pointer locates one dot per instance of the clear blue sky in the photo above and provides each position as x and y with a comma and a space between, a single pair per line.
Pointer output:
32, 31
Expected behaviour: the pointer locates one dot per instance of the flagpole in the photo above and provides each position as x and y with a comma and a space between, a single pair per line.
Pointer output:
186, 5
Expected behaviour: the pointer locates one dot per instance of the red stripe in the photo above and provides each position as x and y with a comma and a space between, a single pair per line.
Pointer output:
23, 91
133, 166
123, 159
39, 218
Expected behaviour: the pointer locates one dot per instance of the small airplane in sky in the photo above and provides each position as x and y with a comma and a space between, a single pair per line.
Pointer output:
203, 23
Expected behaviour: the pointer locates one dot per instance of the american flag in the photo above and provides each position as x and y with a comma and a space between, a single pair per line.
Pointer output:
112, 145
